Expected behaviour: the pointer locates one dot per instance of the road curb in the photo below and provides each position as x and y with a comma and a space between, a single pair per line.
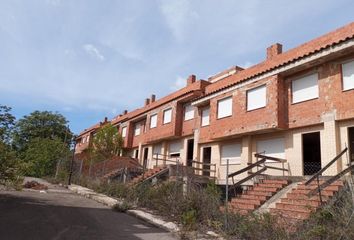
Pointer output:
108, 201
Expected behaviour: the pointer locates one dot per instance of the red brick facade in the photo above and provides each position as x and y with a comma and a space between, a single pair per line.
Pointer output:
323, 55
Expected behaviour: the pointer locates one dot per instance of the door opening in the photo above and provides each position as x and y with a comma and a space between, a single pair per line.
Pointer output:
190, 150
145, 159
206, 160
351, 143
311, 152
136, 154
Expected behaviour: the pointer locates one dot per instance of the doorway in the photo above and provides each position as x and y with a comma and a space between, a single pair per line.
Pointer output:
145, 159
136, 155
351, 143
206, 160
190, 151
311, 152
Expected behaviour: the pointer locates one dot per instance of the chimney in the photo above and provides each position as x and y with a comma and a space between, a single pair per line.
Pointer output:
105, 119
152, 98
191, 80
147, 102
125, 112
274, 50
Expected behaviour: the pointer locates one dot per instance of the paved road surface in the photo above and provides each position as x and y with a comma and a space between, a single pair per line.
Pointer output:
64, 215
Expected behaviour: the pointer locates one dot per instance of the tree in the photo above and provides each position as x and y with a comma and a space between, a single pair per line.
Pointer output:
42, 155
43, 125
9, 165
7, 121
107, 142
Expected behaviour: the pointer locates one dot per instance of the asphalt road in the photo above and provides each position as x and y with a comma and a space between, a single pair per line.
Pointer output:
65, 215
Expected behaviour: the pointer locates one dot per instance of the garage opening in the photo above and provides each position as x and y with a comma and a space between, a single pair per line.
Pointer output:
311, 152
190, 148
207, 160
146, 155
351, 143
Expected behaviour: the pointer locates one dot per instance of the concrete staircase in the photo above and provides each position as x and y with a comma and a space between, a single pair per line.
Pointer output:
150, 173
256, 195
298, 206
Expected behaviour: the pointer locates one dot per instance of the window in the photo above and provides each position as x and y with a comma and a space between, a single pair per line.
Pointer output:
231, 152
167, 116
153, 121
124, 131
305, 88
225, 107
137, 129
83, 139
348, 75
175, 149
257, 98
157, 149
188, 112
87, 138
273, 148
205, 116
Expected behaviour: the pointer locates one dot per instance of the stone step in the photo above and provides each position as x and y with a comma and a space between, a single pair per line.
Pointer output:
259, 193
336, 183
274, 181
313, 203
291, 214
301, 196
250, 201
311, 187
254, 197
296, 207
243, 206
305, 191
273, 185
265, 189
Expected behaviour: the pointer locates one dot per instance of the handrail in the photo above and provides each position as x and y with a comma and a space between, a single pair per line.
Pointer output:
210, 165
248, 178
165, 158
207, 164
247, 168
326, 167
260, 163
330, 181
270, 158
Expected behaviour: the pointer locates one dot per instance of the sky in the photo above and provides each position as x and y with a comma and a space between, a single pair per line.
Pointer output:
88, 59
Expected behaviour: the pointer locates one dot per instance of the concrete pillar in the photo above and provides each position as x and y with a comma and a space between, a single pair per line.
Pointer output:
196, 150
330, 146
246, 154
140, 154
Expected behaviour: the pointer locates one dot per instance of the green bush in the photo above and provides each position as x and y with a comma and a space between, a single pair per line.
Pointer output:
10, 167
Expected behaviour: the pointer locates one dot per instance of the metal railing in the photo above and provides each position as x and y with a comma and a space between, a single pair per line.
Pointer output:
207, 169
260, 166
329, 181
157, 157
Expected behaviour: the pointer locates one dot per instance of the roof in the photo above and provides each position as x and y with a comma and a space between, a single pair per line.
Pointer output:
332, 38
90, 129
196, 86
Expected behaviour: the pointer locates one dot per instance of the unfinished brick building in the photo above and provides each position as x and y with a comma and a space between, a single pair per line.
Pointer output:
296, 105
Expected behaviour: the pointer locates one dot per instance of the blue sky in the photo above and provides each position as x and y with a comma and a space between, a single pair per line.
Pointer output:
88, 59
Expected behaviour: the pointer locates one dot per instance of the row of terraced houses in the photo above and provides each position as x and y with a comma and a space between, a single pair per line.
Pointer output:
296, 105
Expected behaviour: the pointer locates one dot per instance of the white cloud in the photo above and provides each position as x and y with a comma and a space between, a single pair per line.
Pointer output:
179, 16
179, 83
93, 51
53, 2
247, 64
